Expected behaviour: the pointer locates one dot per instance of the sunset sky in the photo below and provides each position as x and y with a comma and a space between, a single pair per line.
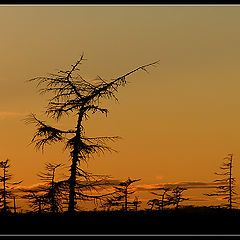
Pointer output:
177, 123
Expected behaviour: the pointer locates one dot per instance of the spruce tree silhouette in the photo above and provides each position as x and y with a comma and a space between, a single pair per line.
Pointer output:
226, 186
154, 203
123, 190
73, 95
177, 196
6, 191
37, 200
162, 201
136, 203
53, 192
113, 201
174, 197
48, 197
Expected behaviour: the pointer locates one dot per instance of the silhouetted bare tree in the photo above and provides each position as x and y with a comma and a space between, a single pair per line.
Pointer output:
123, 190
72, 94
160, 202
37, 200
47, 197
53, 189
154, 203
110, 202
174, 197
177, 196
6, 191
226, 186
136, 203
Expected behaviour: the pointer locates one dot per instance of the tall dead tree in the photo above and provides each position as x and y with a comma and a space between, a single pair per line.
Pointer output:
225, 187
73, 95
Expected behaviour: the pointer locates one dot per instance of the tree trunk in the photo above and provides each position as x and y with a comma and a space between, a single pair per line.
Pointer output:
230, 183
177, 203
14, 204
72, 184
39, 207
4, 190
163, 199
73, 169
126, 200
53, 203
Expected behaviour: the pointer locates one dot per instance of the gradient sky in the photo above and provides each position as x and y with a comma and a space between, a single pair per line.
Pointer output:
177, 123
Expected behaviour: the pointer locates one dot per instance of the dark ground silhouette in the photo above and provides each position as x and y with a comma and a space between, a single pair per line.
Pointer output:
191, 220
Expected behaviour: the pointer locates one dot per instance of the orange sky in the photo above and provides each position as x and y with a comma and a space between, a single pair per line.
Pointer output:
177, 123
